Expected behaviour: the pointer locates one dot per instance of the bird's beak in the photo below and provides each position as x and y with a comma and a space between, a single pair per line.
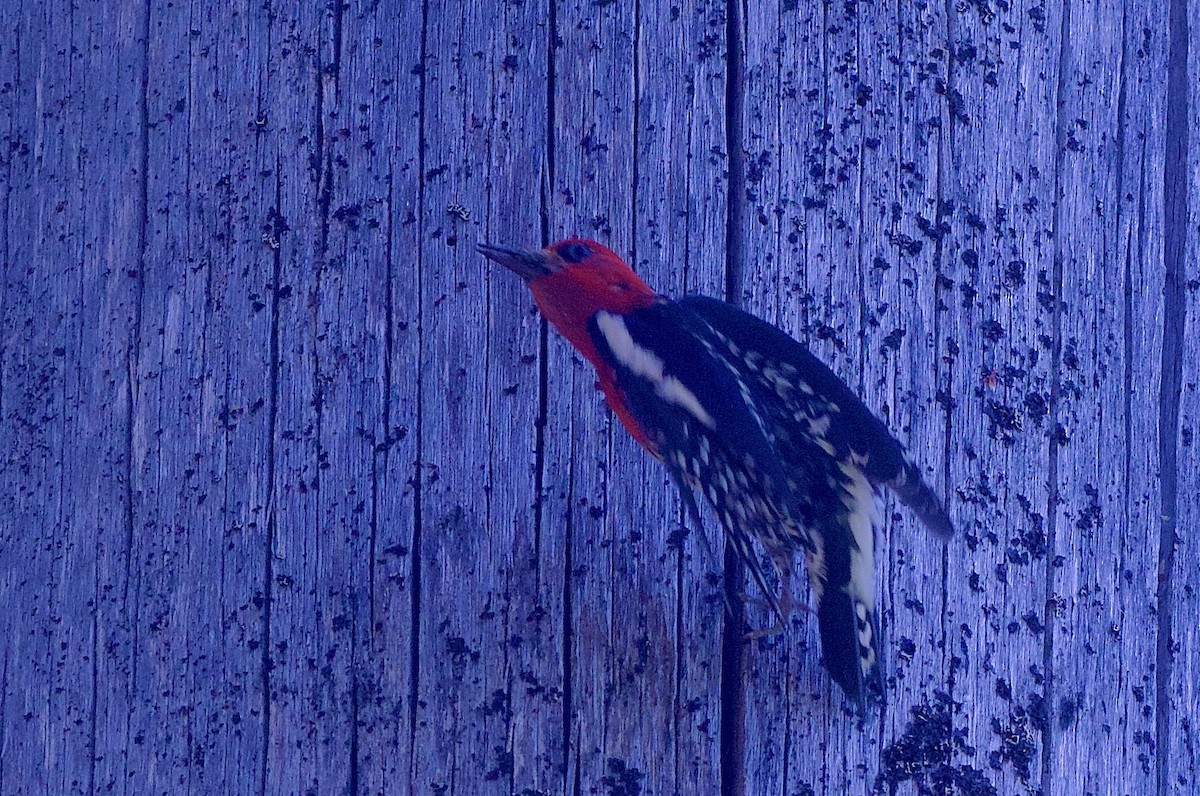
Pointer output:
528, 265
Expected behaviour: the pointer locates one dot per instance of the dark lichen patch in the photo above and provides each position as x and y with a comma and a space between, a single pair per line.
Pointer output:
1039, 717
892, 341
1090, 516
1036, 407
1034, 623
1029, 545
499, 704
1017, 747
992, 331
460, 653
622, 779
926, 754
503, 767
1003, 421
1014, 273
1068, 711
1003, 689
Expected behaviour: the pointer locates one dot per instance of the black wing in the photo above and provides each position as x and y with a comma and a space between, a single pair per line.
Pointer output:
812, 389
690, 404
718, 428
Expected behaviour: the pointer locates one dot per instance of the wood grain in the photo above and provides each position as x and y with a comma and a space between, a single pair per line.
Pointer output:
299, 494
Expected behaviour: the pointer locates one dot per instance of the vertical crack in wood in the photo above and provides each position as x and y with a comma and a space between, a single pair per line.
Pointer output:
272, 422
864, 308
4, 712
677, 709
320, 163
568, 636
324, 183
353, 777
733, 645
133, 352
568, 633
382, 447
1175, 213
506, 611
634, 226
6, 187
736, 184
1052, 493
681, 635
414, 651
568, 630
941, 282
338, 10
543, 398
1127, 304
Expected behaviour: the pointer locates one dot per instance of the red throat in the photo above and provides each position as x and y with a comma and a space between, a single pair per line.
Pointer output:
569, 297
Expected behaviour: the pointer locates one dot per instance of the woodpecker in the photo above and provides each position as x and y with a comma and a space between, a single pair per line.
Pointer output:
786, 454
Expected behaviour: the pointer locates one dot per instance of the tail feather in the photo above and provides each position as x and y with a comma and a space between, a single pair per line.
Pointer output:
913, 492
850, 646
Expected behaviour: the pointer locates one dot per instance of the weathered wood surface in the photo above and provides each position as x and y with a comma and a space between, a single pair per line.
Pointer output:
297, 495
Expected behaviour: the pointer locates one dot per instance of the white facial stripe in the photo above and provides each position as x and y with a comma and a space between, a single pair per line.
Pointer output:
644, 363
864, 515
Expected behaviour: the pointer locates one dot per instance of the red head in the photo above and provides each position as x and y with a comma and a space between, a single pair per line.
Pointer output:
571, 281
574, 279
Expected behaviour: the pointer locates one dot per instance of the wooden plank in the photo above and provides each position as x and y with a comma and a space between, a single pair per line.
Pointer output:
31, 387
373, 154
814, 289
679, 246
1102, 662
784, 65
1000, 345
770, 119
906, 125
72, 279
1177, 741
204, 420
645, 110
330, 366
478, 402
621, 626
841, 215
528, 754
262, 406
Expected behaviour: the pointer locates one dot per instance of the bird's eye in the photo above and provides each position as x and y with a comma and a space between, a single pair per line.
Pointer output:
574, 253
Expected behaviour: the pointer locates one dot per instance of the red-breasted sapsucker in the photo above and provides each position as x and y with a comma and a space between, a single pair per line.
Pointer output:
785, 452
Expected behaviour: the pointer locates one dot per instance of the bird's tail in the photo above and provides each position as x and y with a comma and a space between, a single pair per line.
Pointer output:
850, 645
916, 494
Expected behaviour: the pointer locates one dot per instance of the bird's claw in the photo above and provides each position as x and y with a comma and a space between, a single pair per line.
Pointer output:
773, 630
782, 609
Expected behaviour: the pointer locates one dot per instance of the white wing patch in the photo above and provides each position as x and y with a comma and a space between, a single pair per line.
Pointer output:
649, 366
860, 498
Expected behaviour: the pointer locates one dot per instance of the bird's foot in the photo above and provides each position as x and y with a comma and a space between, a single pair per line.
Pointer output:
759, 602
781, 608
773, 630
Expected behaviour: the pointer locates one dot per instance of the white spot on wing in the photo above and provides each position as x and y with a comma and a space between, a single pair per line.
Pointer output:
819, 426
860, 499
816, 565
647, 364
